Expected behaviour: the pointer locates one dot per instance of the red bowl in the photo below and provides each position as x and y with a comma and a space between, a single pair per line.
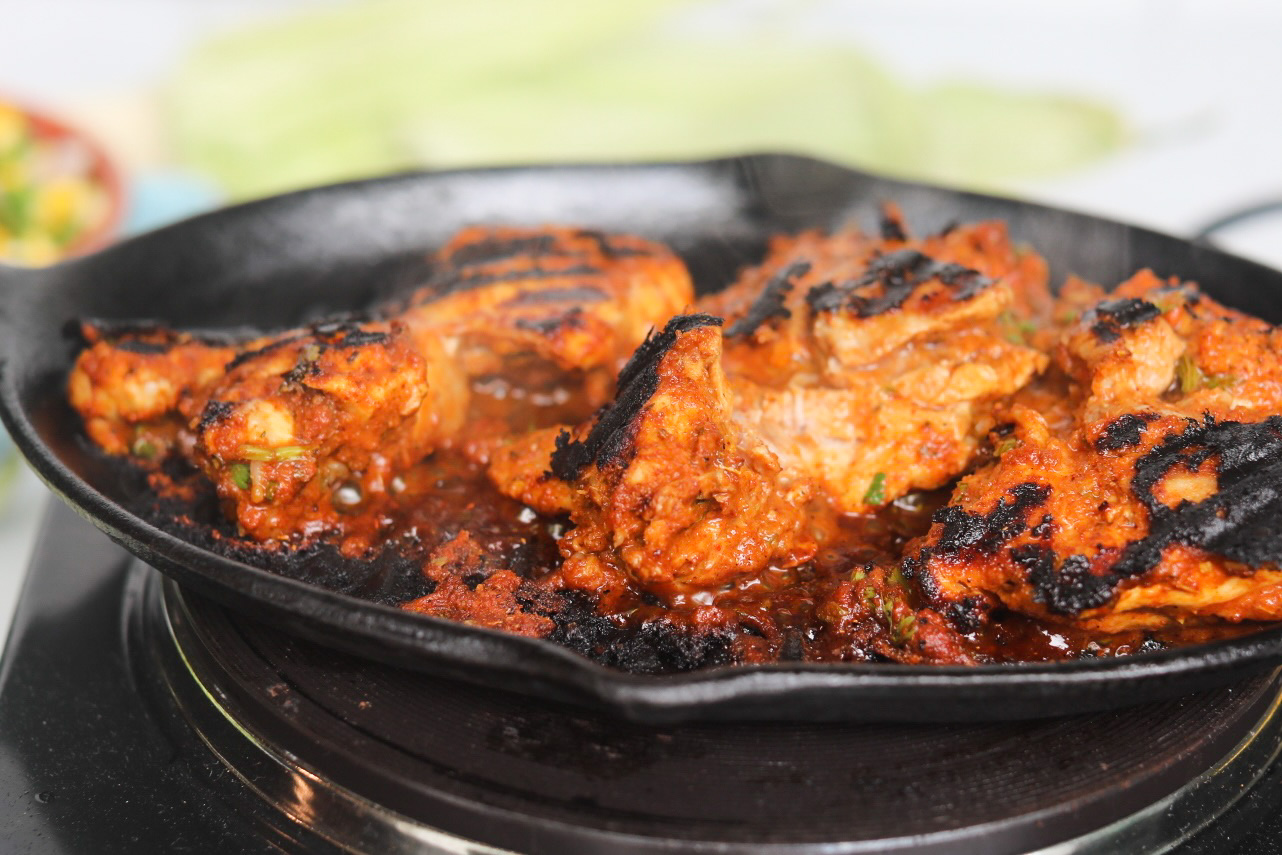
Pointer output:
102, 171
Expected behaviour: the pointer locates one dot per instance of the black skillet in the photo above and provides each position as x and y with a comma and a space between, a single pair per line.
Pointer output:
275, 262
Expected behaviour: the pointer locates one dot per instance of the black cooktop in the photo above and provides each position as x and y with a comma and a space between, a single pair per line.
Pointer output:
135, 717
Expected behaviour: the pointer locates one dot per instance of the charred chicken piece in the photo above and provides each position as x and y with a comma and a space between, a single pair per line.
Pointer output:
130, 386
303, 432
667, 488
1163, 340
1158, 506
548, 312
874, 366
306, 433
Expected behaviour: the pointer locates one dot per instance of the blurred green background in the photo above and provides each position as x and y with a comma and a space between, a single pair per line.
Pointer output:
364, 88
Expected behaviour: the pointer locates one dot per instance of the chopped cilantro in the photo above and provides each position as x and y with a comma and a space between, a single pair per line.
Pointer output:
239, 473
1015, 329
1220, 381
876, 493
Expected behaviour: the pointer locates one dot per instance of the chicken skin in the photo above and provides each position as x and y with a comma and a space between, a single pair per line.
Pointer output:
1158, 506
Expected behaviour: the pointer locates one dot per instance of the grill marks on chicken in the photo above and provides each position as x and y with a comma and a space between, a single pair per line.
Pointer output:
880, 372
1157, 505
509, 301
667, 487
719, 446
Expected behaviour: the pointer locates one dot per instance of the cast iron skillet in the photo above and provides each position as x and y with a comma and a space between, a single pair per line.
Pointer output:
278, 261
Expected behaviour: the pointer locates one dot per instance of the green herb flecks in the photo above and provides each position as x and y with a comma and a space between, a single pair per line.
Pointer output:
144, 448
239, 473
1015, 329
903, 630
1005, 445
259, 454
876, 493
1191, 378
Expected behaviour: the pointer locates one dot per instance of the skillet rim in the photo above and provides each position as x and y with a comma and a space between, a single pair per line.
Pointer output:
549, 670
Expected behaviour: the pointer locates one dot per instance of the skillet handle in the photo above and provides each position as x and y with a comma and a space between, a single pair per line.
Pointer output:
1236, 217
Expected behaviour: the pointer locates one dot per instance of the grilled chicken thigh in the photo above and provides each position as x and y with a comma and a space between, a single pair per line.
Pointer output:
127, 384
872, 365
1158, 505
664, 484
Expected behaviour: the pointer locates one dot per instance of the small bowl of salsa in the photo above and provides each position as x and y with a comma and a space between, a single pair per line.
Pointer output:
60, 195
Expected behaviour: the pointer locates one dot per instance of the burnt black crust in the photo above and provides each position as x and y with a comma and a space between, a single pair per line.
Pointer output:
304, 367
489, 250
898, 273
1239, 522
126, 335
1068, 589
1113, 316
1124, 432
769, 303
134, 345
891, 226
361, 338
455, 281
967, 614
658, 646
112, 329
248, 355
335, 326
340, 332
609, 248
214, 412
613, 432
965, 530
